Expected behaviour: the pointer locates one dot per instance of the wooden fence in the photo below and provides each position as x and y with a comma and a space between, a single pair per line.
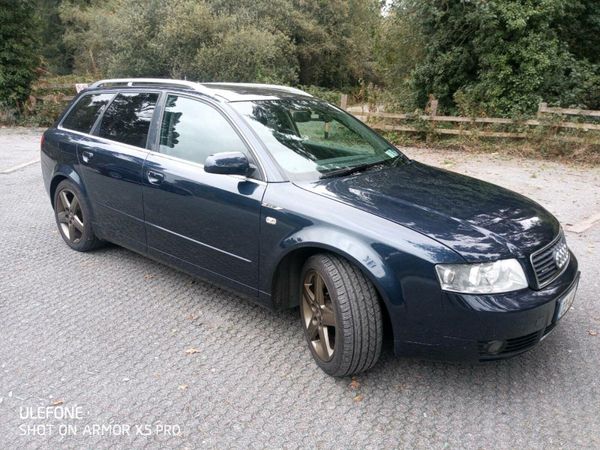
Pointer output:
471, 126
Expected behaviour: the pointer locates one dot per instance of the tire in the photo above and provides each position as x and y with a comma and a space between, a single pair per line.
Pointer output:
72, 214
353, 343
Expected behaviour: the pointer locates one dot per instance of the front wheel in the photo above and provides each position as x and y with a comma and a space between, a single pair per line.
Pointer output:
341, 314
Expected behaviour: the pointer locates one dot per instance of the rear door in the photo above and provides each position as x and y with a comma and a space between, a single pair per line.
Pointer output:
205, 223
112, 161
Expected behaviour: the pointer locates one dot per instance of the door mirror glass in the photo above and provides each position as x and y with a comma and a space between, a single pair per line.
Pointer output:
229, 163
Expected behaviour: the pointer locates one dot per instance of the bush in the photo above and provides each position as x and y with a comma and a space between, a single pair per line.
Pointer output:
493, 57
311, 42
328, 95
247, 55
18, 58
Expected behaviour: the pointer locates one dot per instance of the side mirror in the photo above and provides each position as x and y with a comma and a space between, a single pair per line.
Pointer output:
228, 163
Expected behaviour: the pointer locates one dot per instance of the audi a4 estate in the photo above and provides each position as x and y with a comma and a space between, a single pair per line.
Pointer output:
292, 202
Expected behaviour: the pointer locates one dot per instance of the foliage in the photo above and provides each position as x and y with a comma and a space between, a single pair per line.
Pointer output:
331, 40
18, 51
311, 41
49, 96
497, 56
477, 57
267, 57
329, 95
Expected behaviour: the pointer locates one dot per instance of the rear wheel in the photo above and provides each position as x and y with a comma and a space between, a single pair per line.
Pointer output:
341, 315
72, 215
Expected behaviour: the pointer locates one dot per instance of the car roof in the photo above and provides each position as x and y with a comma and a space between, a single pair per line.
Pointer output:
229, 92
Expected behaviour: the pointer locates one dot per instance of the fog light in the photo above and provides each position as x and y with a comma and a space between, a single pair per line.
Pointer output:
494, 347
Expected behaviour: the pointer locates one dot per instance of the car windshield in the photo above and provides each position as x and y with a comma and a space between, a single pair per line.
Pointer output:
311, 139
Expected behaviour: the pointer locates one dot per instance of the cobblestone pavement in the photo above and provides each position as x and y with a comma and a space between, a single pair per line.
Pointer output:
132, 342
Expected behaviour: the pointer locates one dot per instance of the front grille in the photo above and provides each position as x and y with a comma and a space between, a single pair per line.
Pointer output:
549, 262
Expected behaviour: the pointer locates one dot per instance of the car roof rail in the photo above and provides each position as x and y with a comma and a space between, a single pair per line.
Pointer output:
279, 87
130, 82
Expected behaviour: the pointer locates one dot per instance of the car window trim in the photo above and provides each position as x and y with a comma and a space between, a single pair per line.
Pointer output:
106, 141
156, 144
96, 128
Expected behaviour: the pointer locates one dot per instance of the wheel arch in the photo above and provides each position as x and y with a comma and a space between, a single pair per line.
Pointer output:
61, 174
286, 278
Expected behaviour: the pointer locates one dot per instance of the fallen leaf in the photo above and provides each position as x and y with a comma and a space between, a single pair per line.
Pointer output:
592, 333
354, 384
57, 402
183, 387
359, 398
192, 350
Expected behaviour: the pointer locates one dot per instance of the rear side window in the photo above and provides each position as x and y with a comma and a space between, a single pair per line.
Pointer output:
84, 114
128, 118
193, 130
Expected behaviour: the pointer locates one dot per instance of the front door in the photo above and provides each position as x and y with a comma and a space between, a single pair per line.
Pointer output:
112, 168
205, 223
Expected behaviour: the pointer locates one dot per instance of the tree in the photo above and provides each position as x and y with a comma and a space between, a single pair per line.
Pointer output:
399, 47
18, 51
327, 43
333, 40
498, 57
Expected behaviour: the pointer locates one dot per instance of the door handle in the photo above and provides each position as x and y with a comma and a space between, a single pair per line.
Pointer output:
155, 177
86, 156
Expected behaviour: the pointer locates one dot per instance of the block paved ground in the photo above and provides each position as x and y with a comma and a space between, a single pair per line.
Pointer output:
108, 332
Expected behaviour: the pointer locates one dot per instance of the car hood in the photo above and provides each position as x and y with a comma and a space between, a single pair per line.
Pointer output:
478, 220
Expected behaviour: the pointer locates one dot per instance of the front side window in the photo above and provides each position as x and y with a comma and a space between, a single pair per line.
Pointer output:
193, 130
311, 139
84, 114
128, 118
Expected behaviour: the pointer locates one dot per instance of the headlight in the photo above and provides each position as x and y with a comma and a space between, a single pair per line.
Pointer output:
487, 278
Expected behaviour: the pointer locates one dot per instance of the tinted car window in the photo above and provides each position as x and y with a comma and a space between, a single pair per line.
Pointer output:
84, 114
128, 118
193, 130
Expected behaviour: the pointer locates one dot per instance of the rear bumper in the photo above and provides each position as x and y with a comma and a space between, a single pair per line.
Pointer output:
489, 327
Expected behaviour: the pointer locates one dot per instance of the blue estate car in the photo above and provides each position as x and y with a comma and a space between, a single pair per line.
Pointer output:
290, 201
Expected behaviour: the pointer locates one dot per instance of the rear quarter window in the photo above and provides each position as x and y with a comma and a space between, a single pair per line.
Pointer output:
128, 117
84, 114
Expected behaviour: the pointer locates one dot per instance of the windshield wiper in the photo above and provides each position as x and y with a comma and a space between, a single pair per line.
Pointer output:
350, 170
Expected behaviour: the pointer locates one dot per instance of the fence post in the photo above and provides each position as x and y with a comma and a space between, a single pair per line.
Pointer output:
344, 101
542, 108
433, 105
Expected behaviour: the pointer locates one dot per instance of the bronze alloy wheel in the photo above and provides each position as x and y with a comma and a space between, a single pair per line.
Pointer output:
318, 315
70, 216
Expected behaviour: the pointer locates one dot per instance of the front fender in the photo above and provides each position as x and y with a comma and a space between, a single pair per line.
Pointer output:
350, 247
400, 262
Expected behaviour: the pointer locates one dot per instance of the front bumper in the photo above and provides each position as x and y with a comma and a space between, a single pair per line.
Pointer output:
488, 327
